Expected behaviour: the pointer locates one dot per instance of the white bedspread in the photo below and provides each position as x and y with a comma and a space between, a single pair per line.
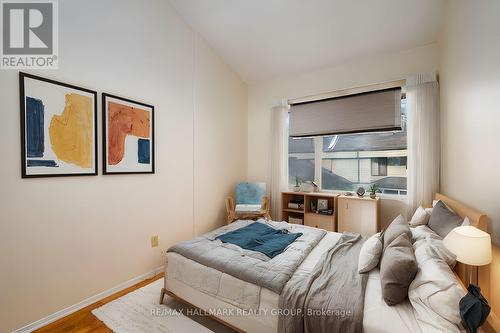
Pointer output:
206, 287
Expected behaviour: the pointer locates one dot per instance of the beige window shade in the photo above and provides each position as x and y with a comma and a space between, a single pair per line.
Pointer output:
364, 112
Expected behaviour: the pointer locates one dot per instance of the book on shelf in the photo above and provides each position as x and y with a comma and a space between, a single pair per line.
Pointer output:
294, 220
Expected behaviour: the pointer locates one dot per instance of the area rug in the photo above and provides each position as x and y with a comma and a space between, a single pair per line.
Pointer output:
139, 311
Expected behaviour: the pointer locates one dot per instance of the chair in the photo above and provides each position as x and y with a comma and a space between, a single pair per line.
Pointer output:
251, 203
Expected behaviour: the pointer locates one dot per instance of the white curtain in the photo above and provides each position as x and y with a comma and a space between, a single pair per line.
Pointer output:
279, 156
422, 96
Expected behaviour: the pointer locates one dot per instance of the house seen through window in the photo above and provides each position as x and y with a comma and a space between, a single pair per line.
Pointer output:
347, 162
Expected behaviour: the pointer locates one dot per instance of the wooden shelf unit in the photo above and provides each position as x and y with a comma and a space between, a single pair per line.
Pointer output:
358, 215
310, 218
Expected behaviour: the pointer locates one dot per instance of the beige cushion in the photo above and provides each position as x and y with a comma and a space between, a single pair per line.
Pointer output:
397, 227
397, 269
369, 255
420, 217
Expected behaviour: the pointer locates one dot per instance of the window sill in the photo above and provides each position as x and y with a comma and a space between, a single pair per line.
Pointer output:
403, 198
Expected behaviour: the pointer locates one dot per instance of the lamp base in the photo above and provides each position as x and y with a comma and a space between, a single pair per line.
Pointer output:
471, 275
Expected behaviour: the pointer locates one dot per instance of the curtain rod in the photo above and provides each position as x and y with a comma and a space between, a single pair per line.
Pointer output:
348, 91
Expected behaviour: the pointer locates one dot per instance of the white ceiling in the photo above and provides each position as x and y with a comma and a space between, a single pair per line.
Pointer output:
262, 39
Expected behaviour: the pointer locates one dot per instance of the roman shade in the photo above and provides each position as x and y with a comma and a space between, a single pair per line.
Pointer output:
365, 112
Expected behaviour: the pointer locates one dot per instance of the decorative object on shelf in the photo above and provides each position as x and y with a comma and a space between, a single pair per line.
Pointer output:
296, 205
128, 136
348, 194
322, 204
58, 128
315, 186
360, 192
307, 186
373, 190
474, 309
296, 188
313, 205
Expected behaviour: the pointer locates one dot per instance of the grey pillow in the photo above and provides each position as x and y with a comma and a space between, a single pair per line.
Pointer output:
398, 268
397, 227
443, 220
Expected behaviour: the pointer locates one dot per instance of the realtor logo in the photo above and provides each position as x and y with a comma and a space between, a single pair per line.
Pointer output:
29, 34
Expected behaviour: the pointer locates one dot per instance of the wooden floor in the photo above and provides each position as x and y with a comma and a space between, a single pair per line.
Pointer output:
84, 321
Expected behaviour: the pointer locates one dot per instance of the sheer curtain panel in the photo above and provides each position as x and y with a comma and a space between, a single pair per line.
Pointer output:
279, 158
422, 95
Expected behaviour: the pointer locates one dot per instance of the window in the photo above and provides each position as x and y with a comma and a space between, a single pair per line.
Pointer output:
353, 160
379, 166
300, 160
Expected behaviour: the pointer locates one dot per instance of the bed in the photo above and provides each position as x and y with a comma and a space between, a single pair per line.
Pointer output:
249, 307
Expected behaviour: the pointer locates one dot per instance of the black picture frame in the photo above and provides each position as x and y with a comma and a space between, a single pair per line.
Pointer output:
105, 169
22, 96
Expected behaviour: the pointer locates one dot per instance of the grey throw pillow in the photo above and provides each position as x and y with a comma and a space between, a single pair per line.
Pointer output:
443, 220
398, 268
397, 227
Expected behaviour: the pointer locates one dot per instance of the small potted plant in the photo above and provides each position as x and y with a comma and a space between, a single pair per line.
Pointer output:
296, 188
373, 190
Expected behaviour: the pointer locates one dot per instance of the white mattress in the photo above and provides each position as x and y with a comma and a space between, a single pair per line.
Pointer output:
253, 308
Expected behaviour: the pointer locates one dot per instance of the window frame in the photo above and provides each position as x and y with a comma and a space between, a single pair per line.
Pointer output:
318, 158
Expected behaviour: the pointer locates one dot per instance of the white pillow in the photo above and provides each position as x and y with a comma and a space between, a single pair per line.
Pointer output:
430, 244
420, 217
433, 248
421, 232
370, 253
435, 295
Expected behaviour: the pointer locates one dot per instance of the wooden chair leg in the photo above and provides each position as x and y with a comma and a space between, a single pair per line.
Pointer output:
230, 209
162, 295
266, 208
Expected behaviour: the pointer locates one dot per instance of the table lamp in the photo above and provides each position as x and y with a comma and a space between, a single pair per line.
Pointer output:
472, 247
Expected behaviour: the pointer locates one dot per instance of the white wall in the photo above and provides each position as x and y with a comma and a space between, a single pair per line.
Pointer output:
220, 138
470, 114
374, 69
63, 240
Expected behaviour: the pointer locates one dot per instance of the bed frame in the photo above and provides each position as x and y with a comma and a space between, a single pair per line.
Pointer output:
476, 219
479, 221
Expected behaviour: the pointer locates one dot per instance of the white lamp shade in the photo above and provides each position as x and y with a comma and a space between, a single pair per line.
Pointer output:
471, 245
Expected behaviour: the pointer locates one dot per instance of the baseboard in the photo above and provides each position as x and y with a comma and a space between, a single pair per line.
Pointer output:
86, 302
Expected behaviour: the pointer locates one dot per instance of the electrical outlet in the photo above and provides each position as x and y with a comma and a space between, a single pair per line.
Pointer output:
154, 241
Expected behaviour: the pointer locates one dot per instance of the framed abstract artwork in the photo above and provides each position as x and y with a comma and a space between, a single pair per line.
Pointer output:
58, 128
128, 136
